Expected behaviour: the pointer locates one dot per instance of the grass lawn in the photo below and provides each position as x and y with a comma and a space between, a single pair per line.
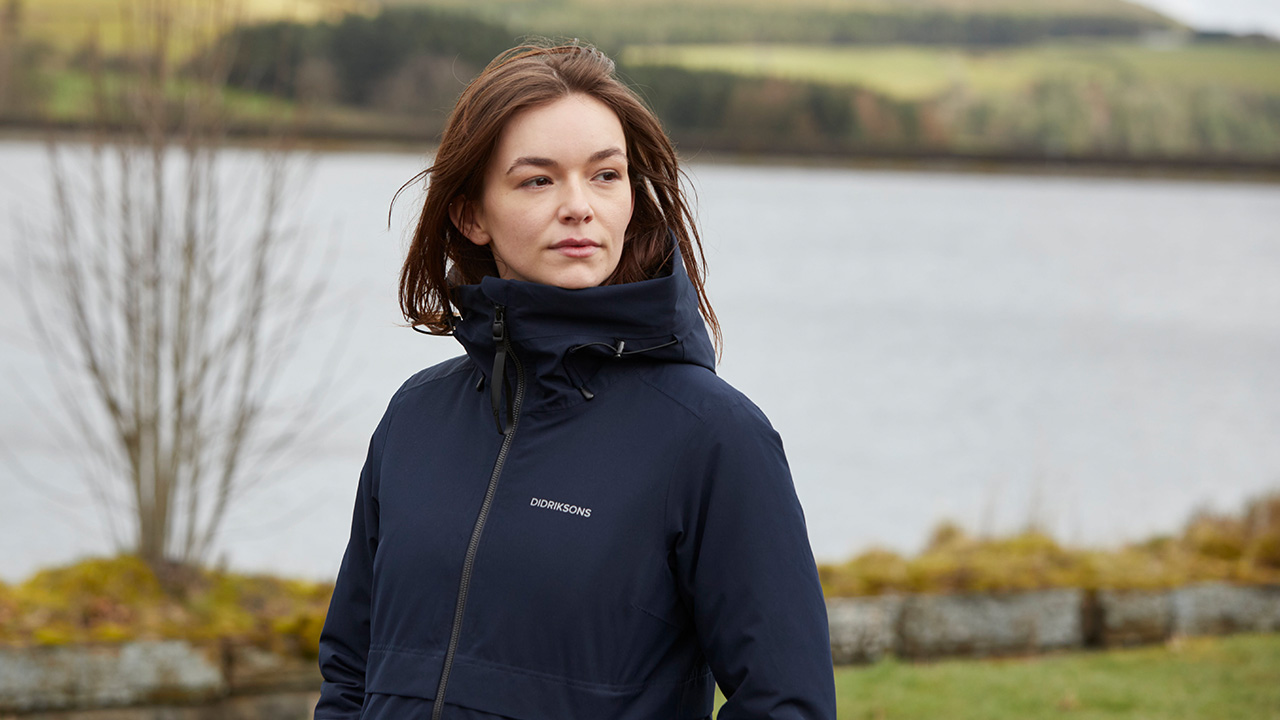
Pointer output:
1232, 678
918, 72
71, 98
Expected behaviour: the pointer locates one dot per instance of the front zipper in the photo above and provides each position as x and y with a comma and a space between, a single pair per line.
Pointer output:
503, 350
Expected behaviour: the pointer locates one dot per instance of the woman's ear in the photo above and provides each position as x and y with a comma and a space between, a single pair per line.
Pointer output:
464, 217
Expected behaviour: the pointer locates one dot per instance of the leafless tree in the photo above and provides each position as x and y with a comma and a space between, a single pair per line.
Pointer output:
10, 39
168, 290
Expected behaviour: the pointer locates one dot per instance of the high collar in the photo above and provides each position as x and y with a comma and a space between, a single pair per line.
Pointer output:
563, 337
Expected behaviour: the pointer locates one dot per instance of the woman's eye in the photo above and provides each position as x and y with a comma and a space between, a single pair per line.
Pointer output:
540, 181
610, 175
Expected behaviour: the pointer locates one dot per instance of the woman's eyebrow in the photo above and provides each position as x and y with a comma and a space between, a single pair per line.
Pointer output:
534, 161
606, 153
548, 162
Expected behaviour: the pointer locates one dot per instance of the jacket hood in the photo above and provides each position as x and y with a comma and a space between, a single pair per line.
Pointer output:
564, 337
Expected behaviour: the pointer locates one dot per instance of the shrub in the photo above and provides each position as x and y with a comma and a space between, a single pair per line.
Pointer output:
119, 599
1233, 548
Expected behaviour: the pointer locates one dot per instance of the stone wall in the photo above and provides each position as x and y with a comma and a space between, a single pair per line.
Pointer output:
979, 625
136, 673
1137, 617
281, 705
169, 680
930, 626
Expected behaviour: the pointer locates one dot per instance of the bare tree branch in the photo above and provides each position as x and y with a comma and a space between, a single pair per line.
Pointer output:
170, 312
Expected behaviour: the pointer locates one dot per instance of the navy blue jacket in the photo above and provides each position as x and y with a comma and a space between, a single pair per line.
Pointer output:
624, 530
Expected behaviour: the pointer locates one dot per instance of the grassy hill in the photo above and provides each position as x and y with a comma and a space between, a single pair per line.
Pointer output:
907, 72
68, 24
1069, 79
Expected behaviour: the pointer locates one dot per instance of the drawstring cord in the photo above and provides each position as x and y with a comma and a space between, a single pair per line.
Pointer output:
502, 346
618, 350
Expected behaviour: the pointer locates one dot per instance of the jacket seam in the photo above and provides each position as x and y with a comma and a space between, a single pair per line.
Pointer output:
571, 682
654, 615
401, 397
405, 650
411, 384
396, 401
673, 399
584, 684
677, 462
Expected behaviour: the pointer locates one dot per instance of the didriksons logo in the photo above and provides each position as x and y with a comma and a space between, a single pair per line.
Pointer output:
560, 507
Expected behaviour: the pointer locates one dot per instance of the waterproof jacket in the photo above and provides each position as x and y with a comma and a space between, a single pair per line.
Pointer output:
606, 537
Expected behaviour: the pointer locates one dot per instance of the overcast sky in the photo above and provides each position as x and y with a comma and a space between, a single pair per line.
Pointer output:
1240, 16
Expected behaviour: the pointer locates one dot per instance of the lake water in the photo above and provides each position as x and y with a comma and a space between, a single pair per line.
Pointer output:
1099, 356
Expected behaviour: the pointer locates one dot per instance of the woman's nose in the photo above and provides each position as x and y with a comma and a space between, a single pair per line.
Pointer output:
576, 205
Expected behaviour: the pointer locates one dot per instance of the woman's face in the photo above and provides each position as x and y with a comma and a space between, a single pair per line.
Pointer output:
557, 198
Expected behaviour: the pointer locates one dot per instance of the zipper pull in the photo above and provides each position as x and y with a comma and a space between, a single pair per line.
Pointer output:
496, 380
499, 325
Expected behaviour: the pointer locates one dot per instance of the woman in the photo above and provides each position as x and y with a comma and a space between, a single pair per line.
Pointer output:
576, 519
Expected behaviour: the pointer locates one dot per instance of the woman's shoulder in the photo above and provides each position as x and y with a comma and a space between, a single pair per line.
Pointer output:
709, 398
455, 369
440, 371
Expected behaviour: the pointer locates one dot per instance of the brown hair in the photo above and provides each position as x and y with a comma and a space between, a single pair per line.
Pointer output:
520, 78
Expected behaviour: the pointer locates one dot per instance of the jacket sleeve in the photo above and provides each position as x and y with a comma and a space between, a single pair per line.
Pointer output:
746, 572
344, 641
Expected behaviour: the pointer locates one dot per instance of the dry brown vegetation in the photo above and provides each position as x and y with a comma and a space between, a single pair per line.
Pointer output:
1235, 548
119, 599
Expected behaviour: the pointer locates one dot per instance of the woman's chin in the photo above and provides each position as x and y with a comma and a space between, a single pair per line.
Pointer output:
578, 284
573, 277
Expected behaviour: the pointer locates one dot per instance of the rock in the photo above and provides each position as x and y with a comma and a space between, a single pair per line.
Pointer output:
863, 629
1220, 608
34, 679
1134, 617
249, 669
990, 624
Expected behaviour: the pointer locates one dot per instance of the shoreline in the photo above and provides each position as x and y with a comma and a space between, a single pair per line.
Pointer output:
882, 159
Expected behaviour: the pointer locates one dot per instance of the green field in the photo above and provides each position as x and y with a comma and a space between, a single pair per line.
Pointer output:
68, 25
1234, 678
920, 72
71, 98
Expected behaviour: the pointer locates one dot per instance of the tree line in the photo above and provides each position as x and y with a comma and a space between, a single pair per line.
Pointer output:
396, 60
404, 68
415, 61
614, 25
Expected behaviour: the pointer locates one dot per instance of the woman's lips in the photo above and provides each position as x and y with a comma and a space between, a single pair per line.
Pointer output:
576, 247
